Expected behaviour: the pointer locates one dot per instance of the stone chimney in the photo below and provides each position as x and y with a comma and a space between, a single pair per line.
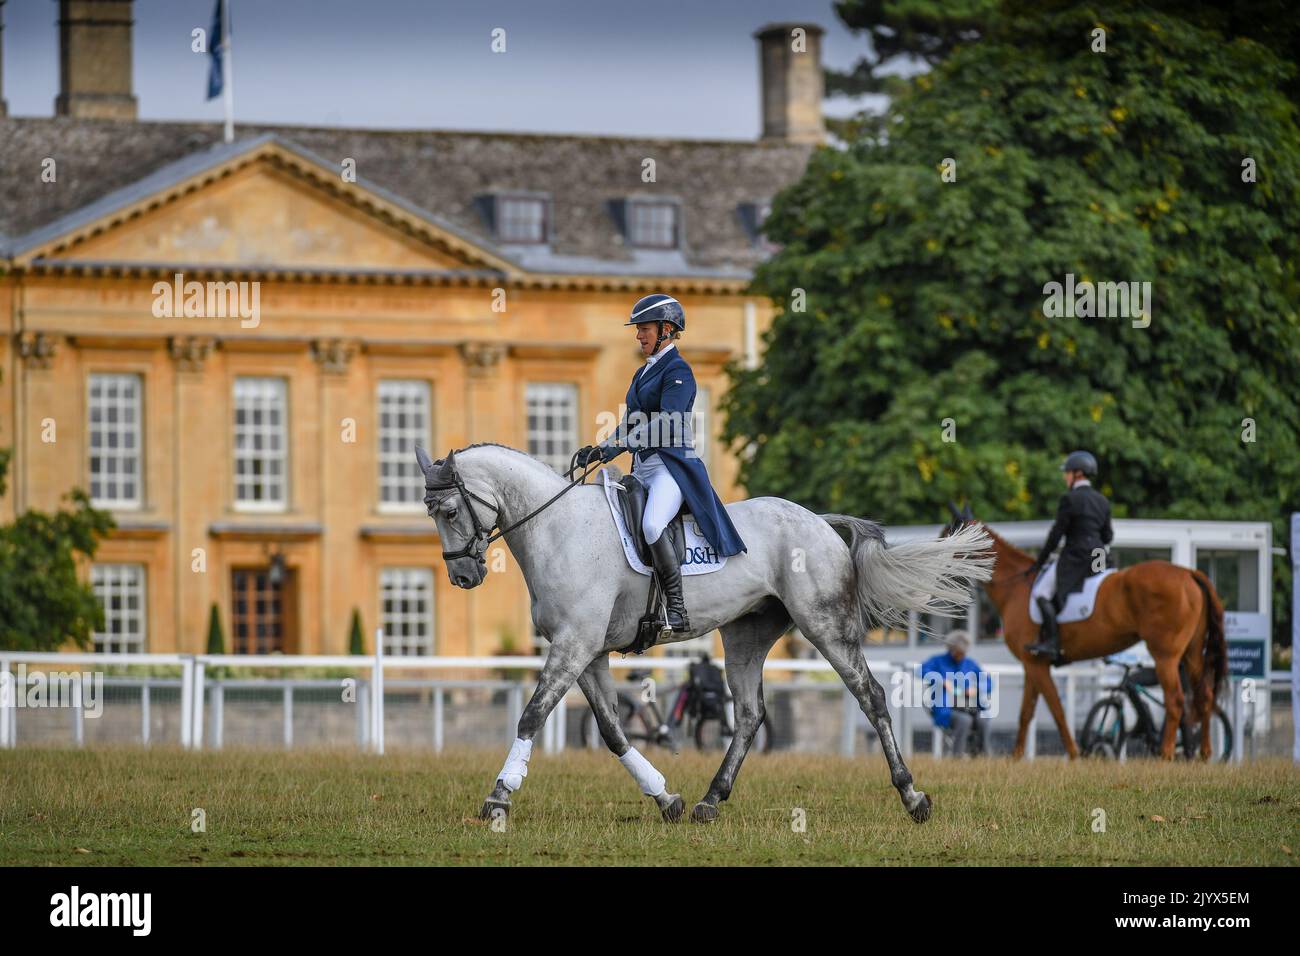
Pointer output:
95, 60
4, 110
790, 55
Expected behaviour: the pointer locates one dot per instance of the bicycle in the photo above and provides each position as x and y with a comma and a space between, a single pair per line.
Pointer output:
1107, 732
699, 707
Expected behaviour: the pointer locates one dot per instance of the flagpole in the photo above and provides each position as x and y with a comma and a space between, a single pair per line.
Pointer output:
227, 72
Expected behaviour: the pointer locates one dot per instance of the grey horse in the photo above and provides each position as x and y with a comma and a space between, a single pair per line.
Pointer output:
831, 575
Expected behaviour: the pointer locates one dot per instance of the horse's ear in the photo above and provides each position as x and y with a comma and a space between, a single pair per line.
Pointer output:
952, 506
966, 513
426, 463
447, 468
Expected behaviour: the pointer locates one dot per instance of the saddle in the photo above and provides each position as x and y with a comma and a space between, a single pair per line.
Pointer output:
634, 499
652, 624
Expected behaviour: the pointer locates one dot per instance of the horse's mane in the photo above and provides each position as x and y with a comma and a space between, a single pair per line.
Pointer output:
489, 444
523, 454
1005, 543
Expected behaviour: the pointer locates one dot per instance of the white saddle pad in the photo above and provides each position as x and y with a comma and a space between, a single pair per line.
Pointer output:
700, 556
1077, 606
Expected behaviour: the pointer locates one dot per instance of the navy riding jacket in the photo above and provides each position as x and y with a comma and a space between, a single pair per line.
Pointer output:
659, 404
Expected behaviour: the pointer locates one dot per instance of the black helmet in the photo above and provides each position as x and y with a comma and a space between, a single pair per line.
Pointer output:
658, 307
1081, 461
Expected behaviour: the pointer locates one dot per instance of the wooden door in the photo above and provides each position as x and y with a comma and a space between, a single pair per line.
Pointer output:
261, 615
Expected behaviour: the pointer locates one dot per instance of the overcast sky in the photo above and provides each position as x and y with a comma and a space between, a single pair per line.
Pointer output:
685, 68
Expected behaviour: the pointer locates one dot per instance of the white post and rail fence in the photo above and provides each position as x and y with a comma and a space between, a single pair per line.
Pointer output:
203, 689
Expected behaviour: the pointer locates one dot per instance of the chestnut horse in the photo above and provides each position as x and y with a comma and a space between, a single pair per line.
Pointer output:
1174, 609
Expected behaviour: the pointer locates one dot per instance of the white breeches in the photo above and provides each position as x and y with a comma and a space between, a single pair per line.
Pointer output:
664, 500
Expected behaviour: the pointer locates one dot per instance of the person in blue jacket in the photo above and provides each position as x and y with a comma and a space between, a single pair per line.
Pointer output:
959, 696
657, 429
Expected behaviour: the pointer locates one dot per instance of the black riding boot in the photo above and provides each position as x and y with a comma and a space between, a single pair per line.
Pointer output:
1049, 643
670, 579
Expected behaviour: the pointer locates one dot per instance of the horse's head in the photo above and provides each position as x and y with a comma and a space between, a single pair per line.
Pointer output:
452, 507
959, 519
1012, 564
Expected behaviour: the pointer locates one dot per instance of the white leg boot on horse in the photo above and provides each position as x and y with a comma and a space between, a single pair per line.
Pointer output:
562, 669
598, 687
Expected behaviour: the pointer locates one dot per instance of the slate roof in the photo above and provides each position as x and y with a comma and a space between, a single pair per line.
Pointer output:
441, 176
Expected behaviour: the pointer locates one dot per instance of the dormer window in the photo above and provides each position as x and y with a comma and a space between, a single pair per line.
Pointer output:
522, 218
753, 215
653, 224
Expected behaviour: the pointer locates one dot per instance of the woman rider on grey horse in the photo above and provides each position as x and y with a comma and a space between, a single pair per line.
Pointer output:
657, 430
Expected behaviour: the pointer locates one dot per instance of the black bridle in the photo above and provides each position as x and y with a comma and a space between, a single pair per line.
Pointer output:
478, 544
483, 536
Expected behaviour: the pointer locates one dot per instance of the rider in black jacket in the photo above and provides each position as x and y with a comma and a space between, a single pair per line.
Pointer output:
1083, 519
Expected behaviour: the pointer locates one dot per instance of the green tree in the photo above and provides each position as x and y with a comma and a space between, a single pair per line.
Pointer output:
216, 636
901, 36
43, 603
356, 638
925, 298
899, 32
906, 33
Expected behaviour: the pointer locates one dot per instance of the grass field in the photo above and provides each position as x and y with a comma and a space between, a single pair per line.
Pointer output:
128, 807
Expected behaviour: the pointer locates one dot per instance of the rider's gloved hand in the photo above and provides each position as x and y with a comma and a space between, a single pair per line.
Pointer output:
598, 453
594, 453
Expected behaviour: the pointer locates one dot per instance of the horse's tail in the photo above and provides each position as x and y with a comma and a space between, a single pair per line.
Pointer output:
929, 577
1214, 654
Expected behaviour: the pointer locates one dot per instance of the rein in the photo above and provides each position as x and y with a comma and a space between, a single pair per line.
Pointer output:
483, 537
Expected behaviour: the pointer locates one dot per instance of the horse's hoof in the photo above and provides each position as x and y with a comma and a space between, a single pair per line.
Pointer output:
491, 806
674, 810
704, 812
920, 811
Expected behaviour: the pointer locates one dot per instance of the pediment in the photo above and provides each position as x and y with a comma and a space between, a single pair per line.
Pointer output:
267, 207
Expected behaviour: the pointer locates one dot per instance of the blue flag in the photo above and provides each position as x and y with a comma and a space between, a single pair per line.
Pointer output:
216, 49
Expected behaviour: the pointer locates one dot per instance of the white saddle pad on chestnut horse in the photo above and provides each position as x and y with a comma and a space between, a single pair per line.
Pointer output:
700, 556
1077, 606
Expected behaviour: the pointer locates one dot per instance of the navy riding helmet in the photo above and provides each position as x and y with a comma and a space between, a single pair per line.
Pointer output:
658, 307
1081, 461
